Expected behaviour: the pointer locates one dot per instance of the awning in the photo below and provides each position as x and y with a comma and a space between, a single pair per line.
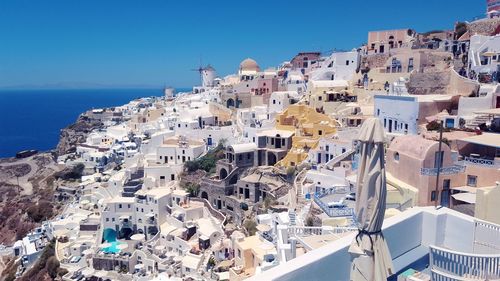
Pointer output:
491, 111
469, 189
488, 54
486, 139
465, 197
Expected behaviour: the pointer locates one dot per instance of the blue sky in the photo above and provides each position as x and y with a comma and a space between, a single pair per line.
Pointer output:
92, 43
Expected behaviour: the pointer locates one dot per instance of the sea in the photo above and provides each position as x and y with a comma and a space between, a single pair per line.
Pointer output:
32, 119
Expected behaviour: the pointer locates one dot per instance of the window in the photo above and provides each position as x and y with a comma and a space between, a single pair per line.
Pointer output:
433, 196
378, 112
327, 147
239, 253
471, 180
347, 62
240, 157
396, 156
320, 132
172, 177
107, 219
410, 64
248, 155
320, 98
274, 101
162, 177
438, 159
120, 206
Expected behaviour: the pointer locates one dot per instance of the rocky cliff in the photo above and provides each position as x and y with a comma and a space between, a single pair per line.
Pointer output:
76, 133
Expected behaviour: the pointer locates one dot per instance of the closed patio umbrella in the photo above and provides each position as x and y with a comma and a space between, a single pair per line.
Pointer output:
371, 259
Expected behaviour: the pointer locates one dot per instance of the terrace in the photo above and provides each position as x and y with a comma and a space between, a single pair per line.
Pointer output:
444, 243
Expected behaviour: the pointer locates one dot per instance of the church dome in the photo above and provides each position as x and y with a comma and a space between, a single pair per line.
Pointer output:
249, 65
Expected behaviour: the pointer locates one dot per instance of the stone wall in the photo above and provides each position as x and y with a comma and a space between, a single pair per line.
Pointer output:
483, 26
429, 83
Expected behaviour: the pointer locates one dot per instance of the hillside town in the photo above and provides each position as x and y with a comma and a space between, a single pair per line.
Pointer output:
254, 175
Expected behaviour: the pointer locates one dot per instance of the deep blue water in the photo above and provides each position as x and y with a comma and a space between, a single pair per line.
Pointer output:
32, 119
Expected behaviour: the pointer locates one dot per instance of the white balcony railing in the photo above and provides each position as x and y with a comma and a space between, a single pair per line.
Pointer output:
490, 163
455, 169
450, 265
332, 212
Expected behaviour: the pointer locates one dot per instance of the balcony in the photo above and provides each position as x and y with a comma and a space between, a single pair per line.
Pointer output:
333, 212
414, 237
455, 169
488, 163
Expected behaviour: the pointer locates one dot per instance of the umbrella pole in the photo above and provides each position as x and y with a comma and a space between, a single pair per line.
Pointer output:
436, 198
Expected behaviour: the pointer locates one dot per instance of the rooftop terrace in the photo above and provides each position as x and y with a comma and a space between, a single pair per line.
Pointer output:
412, 237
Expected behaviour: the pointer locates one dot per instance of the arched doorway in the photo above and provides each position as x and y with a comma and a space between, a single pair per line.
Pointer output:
234, 179
204, 195
230, 103
222, 174
271, 159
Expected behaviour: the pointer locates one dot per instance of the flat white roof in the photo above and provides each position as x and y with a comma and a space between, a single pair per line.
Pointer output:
120, 199
273, 133
191, 261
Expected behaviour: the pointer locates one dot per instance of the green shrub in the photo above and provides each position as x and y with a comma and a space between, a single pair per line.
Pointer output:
206, 162
250, 226
193, 189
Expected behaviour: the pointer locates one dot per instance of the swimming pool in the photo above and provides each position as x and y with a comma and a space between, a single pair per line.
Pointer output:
113, 249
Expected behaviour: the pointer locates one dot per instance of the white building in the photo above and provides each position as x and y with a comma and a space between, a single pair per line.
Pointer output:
484, 54
338, 66
279, 101
398, 114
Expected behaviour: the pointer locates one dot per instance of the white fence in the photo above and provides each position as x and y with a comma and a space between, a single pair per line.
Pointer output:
486, 238
447, 265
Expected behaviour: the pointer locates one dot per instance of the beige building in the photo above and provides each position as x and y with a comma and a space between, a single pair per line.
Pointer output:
487, 202
380, 42
326, 95
249, 253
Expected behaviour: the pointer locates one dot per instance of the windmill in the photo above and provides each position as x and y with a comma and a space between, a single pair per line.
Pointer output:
207, 74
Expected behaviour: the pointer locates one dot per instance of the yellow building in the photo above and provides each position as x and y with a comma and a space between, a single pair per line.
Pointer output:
309, 126
327, 95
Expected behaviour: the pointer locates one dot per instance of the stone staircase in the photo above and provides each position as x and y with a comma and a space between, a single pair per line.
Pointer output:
292, 215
